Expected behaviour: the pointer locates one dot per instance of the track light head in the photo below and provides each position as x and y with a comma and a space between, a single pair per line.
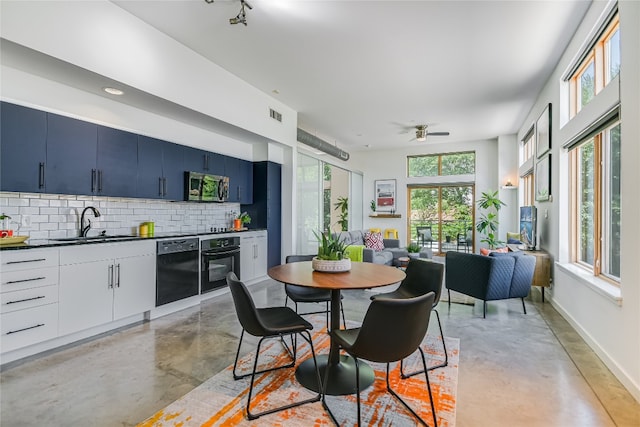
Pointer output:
241, 18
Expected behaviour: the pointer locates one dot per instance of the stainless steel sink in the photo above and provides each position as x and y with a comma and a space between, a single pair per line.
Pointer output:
93, 238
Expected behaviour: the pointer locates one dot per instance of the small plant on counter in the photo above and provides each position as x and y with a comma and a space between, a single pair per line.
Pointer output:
244, 218
331, 248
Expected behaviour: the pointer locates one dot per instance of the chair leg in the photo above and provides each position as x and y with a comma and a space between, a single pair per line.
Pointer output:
449, 295
523, 306
344, 319
431, 368
406, 405
484, 309
252, 416
235, 363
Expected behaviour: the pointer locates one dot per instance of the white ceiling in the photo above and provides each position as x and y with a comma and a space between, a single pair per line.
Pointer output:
365, 72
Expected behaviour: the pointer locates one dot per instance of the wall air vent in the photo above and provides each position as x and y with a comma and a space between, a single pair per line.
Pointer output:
275, 115
315, 142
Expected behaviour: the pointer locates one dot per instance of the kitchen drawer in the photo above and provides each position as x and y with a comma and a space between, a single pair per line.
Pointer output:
28, 259
81, 254
30, 326
28, 298
24, 279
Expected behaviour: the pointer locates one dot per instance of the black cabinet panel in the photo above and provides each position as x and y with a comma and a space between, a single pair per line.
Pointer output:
266, 210
149, 168
117, 162
23, 143
71, 156
240, 173
173, 171
196, 160
160, 169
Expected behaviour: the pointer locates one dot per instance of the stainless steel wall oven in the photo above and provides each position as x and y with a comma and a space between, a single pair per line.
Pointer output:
219, 256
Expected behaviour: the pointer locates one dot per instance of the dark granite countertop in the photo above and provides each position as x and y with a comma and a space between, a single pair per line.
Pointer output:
73, 241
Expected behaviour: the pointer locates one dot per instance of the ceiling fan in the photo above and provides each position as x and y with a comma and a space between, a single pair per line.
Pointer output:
422, 133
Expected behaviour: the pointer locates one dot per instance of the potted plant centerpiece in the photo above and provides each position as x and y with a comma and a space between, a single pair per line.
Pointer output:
414, 250
331, 257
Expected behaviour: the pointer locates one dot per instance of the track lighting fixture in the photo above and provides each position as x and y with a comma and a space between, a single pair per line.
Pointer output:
241, 18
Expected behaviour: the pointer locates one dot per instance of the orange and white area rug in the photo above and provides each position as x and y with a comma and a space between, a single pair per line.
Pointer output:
221, 401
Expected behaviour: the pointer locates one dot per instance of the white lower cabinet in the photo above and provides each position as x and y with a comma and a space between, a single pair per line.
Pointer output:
29, 297
105, 282
253, 255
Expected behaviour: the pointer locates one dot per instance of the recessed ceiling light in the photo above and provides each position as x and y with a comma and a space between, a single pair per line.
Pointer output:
113, 91
276, 91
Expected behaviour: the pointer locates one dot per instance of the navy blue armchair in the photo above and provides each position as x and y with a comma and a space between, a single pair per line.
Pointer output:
489, 278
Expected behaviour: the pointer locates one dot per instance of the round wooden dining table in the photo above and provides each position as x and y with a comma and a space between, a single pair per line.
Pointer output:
341, 375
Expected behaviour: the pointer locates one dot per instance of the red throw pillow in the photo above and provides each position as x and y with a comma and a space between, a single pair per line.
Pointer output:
373, 241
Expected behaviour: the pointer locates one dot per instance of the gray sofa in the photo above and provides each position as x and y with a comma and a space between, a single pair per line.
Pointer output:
389, 255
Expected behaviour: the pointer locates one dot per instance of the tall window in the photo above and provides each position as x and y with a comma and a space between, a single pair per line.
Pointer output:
441, 164
600, 65
527, 151
595, 174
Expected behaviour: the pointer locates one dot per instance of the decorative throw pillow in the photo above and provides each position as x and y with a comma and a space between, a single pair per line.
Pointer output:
486, 252
373, 241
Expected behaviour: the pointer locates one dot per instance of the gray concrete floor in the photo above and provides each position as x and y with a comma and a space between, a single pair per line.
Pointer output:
515, 369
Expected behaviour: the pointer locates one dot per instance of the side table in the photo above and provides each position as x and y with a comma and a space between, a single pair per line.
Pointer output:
542, 272
403, 261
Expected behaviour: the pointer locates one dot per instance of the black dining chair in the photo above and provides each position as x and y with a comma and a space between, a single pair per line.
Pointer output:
392, 330
422, 277
303, 294
270, 322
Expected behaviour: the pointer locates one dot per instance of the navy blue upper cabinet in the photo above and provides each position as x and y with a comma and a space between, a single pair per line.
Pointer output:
117, 162
72, 147
160, 169
23, 145
196, 160
240, 173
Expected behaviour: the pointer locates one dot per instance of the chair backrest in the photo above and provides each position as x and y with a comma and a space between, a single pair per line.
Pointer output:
392, 328
245, 307
423, 277
424, 232
298, 258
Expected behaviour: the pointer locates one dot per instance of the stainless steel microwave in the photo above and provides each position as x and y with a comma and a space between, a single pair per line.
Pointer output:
202, 187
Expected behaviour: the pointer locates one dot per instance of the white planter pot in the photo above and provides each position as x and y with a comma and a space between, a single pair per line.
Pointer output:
327, 266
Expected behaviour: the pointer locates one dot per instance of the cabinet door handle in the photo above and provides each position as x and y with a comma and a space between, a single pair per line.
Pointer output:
206, 161
164, 186
25, 300
110, 276
26, 260
93, 180
238, 193
25, 329
25, 280
99, 180
41, 175
118, 275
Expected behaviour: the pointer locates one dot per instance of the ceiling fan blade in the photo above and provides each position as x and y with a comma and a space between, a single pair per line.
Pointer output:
438, 133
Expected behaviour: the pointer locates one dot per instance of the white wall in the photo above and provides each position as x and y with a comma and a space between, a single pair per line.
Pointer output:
610, 325
392, 164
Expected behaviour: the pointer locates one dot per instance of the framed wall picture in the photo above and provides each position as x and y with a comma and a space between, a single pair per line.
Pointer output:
543, 132
385, 195
543, 178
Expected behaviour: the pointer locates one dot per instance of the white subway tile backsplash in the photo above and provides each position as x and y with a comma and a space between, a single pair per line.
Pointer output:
54, 215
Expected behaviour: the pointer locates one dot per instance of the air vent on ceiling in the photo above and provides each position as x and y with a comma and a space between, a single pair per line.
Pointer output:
275, 115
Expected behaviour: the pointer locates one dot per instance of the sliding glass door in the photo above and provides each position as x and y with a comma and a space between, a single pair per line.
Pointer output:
441, 217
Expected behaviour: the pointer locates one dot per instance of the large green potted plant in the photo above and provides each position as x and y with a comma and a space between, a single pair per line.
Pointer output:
343, 205
487, 225
332, 255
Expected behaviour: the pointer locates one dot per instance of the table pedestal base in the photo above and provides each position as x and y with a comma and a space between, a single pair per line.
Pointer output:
342, 375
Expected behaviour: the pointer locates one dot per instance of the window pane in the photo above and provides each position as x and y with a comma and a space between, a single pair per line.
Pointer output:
612, 257
586, 202
309, 178
613, 56
423, 166
458, 164
587, 85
